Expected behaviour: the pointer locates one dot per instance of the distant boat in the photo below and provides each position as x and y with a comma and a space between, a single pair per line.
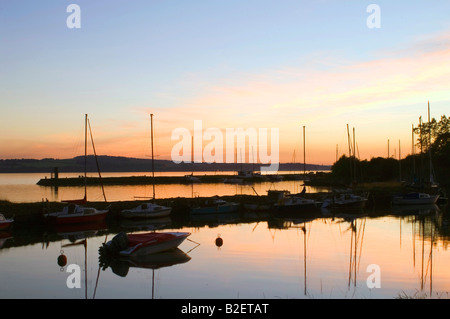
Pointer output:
75, 213
275, 177
345, 200
243, 177
295, 203
425, 209
287, 202
146, 210
5, 223
215, 205
233, 180
414, 198
249, 174
134, 245
190, 178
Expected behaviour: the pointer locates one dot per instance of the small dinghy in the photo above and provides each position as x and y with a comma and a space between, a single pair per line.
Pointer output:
132, 245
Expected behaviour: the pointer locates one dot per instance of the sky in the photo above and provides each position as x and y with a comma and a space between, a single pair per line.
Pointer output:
262, 64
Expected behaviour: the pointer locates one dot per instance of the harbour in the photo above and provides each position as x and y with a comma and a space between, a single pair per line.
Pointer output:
241, 254
224, 156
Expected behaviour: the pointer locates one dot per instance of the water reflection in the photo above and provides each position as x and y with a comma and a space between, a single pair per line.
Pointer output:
320, 256
121, 266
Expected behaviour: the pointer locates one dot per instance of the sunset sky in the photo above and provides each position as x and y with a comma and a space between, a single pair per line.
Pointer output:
231, 64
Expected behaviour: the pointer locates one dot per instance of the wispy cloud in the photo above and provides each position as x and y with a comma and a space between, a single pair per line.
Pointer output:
325, 99
324, 92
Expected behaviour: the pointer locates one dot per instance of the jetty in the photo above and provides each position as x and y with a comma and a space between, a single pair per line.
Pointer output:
56, 181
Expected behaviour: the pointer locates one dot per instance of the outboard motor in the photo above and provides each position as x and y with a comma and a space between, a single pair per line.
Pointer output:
108, 255
118, 243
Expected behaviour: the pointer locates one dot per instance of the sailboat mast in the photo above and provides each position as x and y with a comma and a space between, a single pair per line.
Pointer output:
153, 159
429, 143
399, 161
413, 151
349, 153
96, 159
85, 155
304, 153
354, 156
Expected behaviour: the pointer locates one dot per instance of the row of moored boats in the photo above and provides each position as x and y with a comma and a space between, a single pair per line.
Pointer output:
276, 201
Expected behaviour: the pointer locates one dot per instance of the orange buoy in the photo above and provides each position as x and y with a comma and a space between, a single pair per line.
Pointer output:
219, 241
62, 259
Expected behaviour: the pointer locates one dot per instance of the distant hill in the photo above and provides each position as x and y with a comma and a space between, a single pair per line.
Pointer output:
126, 164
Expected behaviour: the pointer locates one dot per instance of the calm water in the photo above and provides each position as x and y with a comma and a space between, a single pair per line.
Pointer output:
262, 257
22, 188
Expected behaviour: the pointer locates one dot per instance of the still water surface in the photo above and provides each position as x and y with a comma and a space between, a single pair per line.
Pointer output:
262, 256
23, 188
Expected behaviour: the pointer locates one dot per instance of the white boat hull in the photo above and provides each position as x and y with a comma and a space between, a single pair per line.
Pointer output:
146, 211
143, 249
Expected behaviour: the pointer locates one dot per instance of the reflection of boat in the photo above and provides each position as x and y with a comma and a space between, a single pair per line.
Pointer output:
345, 200
76, 213
233, 180
5, 223
215, 205
145, 243
146, 210
86, 229
415, 209
216, 218
414, 198
121, 266
146, 223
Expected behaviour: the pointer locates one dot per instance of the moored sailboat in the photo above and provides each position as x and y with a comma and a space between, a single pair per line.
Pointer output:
75, 212
414, 198
215, 206
148, 210
345, 200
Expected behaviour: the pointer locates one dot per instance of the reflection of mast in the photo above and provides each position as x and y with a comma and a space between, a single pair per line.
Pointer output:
356, 239
155, 261
429, 264
304, 254
289, 224
84, 243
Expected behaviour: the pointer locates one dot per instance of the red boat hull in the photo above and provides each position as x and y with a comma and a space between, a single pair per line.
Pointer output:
5, 225
65, 220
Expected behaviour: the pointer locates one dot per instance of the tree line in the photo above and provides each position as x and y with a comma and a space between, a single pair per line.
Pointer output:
433, 146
